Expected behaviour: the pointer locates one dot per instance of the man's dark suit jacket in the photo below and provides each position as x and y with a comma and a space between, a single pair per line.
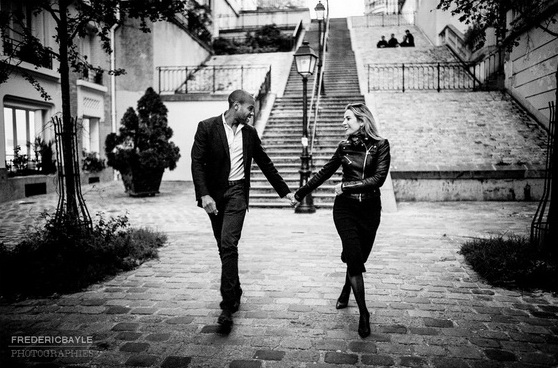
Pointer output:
211, 161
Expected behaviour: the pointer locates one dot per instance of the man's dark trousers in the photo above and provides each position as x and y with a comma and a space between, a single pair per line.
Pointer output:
227, 228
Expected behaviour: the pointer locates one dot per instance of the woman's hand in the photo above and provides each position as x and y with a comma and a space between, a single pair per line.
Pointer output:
338, 189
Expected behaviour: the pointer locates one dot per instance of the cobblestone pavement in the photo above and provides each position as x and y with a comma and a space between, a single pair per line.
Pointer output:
428, 308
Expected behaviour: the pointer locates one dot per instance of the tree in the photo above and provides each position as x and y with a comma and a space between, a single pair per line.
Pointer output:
492, 13
74, 19
527, 14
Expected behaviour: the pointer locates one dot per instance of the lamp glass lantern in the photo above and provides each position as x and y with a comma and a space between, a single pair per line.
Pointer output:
320, 11
305, 60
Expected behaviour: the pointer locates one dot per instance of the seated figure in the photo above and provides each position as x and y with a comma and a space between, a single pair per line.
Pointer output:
393, 41
382, 43
408, 39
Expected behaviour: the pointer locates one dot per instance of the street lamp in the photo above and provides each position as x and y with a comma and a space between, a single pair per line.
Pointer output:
305, 60
320, 14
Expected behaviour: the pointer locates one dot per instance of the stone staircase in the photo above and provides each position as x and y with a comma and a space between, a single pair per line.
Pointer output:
449, 145
284, 127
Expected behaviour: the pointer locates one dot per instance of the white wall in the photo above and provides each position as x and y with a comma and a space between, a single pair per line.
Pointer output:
531, 71
432, 21
183, 118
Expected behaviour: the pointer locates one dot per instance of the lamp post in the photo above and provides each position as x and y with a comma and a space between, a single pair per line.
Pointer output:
305, 60
320, 14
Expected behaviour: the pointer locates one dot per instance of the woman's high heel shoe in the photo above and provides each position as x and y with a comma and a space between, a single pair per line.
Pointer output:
364, 325
343, 301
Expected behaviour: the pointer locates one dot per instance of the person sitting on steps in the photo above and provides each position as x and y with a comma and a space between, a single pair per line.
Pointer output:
382, 43
408, 39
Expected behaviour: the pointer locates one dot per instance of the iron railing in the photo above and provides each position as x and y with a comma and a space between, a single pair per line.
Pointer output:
384, 20
421, 76
93, 76
27, 52
211, 79
319, 89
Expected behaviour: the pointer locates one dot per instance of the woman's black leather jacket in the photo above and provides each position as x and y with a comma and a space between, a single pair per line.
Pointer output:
365, 164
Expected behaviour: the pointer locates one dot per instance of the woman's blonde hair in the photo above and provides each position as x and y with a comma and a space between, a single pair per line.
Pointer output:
364, 115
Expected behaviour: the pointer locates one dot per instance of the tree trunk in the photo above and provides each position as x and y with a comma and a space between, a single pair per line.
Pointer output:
67, 124
552, 210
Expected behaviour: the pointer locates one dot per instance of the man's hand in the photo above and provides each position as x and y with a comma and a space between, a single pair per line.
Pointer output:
209, 205
338, 189
292, 199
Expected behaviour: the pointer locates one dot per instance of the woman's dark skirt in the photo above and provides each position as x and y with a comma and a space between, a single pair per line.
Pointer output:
356, 223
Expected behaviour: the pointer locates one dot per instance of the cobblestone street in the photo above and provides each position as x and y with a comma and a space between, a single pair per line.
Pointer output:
428, 308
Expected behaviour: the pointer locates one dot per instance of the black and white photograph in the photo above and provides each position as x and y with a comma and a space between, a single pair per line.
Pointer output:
278, 183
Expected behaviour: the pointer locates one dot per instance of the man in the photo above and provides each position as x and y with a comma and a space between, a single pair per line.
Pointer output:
382, 43
408, 39
393, 41
222, 154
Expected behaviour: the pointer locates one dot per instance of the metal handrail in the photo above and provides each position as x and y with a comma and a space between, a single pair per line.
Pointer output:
320, 81
421, 76
210, 78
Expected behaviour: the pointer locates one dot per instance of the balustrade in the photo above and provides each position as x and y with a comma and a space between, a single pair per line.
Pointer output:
211, 79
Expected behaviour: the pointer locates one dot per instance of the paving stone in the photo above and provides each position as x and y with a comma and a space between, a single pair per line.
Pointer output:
378, 360
134, 347
500, 355
128, 335
363, 347
245, 364
340, 358
423, 331
411, 361
158, 337
436, 322
269, 355
117, 309
126, 326
142, 360
180, 320
176, 362
449, 363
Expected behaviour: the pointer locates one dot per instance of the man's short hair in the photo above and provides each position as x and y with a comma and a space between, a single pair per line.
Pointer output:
240, 96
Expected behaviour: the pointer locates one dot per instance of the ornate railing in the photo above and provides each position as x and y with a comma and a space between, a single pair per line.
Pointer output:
421, 76
211, 79
27, 52
384, 20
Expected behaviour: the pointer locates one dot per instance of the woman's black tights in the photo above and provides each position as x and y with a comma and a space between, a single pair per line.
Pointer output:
356, 282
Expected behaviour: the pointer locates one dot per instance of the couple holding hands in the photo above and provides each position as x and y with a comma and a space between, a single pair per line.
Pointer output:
222, 153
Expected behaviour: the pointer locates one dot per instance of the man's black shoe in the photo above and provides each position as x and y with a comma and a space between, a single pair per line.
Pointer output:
225, 319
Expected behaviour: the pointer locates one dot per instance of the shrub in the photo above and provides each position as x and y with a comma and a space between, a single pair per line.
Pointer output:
266, 39
61, 257
511, 261
143, 139
92, 162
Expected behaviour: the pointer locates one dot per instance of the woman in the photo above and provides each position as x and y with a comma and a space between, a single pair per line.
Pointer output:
365, 157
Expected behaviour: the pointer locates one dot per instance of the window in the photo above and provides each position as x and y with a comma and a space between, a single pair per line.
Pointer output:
90, 135
21, 127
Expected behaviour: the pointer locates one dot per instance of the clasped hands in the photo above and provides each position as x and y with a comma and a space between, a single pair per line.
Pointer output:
209, 205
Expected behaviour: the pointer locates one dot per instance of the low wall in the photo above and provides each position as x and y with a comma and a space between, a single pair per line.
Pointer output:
19, 187
468, 186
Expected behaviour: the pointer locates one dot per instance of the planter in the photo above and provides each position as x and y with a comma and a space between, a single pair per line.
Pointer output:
142, 182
